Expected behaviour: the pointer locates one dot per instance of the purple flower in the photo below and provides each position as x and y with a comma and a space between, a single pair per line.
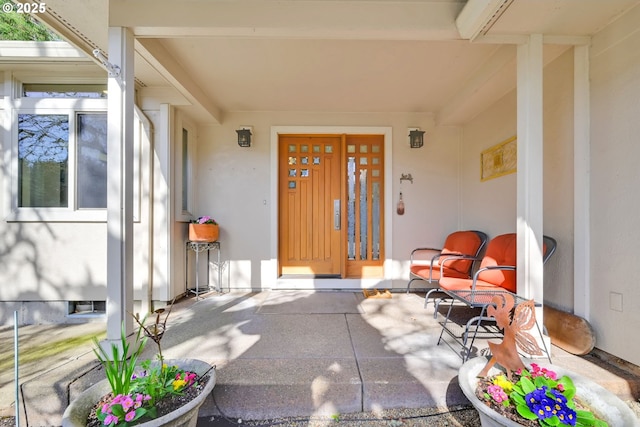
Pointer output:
567, 416
204, 220
129, 416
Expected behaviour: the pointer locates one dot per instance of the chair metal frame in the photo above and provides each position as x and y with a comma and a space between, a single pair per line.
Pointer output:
447, 256
482, 299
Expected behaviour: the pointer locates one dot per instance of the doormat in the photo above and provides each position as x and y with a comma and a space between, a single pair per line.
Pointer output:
311, 302
376, 293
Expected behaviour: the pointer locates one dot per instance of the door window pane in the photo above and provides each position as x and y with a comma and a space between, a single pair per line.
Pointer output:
92, 161
43, 160
375, 219
351, 208
364, 223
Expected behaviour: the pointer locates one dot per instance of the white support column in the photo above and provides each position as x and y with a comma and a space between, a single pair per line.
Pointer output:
120, 186
530, 168
581, 170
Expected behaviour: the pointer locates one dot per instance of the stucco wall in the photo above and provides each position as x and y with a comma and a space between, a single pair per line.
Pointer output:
235, 186
491, 205
60, 261
615, 175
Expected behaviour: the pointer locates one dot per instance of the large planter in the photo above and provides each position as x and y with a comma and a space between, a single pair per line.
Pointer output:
78, 411
606, 405
203, 232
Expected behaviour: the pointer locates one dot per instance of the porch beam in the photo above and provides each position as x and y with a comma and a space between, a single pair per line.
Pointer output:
530, 169
120, 186
158, 57
284, 19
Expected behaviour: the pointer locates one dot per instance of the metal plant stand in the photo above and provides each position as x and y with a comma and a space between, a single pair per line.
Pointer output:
199, 247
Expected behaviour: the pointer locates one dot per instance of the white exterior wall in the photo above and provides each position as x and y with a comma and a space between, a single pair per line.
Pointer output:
60, 261
615, 177
490, 206
55, 262
35, 256
235, 187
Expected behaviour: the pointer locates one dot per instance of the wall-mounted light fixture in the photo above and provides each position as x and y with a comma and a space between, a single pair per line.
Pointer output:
244, 136
416, 137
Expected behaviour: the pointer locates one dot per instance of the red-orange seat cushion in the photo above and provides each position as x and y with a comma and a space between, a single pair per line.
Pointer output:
457, 243
461, 243
462, 284
422, 271
501, 250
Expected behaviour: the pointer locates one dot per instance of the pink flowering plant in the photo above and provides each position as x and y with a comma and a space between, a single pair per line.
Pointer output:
137, 388
204, 220
540, 396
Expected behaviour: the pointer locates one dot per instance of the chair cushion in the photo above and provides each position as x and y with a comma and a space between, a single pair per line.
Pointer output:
422, 271
501, 250
461, 243
461, 284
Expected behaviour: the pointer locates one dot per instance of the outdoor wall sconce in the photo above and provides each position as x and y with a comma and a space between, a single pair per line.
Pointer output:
244, 136
416, 137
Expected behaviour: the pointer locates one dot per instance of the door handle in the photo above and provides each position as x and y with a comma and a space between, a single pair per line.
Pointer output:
336, 214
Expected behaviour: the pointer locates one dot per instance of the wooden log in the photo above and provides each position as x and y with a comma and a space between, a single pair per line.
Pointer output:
571, 333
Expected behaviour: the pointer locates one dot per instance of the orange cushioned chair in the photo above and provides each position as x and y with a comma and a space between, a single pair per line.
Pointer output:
461, 249
498, 267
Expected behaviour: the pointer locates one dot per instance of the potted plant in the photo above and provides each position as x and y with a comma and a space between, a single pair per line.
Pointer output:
506, 392
541, 396
204, 229
149, 393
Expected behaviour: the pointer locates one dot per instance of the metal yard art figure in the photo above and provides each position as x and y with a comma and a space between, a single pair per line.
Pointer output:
515, 329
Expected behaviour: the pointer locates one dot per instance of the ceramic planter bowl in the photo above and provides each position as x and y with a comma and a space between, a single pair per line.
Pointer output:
607, 405
78, 411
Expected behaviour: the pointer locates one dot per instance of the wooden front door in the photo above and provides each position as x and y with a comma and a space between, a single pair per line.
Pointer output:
331, 205
309, 205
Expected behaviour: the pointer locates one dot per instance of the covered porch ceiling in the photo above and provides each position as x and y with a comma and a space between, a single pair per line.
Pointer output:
445, 58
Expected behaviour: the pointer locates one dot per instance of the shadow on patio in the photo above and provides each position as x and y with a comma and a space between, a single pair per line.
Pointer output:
305, 354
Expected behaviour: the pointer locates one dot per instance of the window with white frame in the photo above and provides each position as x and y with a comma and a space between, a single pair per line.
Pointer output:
185, 158
44, 145
58, 138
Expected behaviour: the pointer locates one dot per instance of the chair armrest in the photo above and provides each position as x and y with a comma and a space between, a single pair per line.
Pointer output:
491, 267
451, 256
417, 251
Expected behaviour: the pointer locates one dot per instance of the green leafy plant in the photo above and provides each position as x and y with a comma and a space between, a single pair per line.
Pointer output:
137, 388
539, 395
119, 366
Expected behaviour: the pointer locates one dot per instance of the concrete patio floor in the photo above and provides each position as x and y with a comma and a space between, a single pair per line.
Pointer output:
282, 354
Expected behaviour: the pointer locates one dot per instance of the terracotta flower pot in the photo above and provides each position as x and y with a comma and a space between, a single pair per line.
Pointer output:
605, 404
78, 411
203, 232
